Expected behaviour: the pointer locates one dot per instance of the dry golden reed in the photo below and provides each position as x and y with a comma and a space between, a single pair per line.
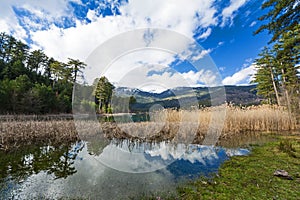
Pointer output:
14, 134
234, 120
193, 125
166, 124
237, 119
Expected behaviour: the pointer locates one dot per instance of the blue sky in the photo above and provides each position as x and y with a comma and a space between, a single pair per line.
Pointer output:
223, 28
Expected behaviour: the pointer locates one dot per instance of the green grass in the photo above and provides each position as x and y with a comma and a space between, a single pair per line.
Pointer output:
251, 177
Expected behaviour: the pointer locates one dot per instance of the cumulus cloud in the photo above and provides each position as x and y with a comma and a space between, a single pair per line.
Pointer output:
137, 70
49, 10
181, 17
241, 77
81, 39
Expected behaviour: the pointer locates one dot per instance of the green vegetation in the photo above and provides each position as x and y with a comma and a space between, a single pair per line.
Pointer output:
103, 94
56, 160
31, 82
277, 74
251, 177
282, 17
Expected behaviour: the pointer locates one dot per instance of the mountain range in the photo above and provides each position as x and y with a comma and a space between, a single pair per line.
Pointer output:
190, 96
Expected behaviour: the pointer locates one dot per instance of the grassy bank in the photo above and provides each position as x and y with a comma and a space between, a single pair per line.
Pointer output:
251, 177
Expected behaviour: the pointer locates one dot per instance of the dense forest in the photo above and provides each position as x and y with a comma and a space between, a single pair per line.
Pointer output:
31, 82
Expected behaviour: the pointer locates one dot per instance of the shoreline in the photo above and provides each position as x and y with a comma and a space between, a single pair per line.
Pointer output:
252, 176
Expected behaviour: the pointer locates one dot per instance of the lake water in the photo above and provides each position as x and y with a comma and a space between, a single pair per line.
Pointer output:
119, 169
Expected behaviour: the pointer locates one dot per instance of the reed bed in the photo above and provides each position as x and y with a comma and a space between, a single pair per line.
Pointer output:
179, 126
193, 126
14, 134
236, 119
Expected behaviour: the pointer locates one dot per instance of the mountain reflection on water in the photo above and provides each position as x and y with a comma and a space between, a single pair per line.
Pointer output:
106, 170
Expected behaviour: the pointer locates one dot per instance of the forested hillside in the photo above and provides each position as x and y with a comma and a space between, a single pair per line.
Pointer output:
32, 82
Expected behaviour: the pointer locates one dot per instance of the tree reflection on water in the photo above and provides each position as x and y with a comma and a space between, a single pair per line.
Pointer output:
99, 167
23, 163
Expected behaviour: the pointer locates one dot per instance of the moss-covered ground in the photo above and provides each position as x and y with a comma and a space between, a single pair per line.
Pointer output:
251, 177
248, 177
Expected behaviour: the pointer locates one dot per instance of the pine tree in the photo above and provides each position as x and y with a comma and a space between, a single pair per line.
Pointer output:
287, 57
283, 20
266, 77
76, 67
283, 16
103, 93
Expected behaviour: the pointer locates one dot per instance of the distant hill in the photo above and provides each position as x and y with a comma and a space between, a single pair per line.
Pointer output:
188, 96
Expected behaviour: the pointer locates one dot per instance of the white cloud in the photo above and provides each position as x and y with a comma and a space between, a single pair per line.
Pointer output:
50, 10
205, 34
138, 70
200, 78
243, 76
91, 15
228, 12
80, 41
253, 24
221, 43
181, 17
193, 52
200, 55
190, 153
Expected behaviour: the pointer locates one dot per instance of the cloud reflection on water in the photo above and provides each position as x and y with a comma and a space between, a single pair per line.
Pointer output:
96, 177
133, 157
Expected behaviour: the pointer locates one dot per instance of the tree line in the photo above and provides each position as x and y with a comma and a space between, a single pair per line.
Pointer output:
32, 82
278, 65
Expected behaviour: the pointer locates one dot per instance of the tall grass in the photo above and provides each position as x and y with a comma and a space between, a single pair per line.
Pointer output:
237, 119
224, 121
16, 133
182, 125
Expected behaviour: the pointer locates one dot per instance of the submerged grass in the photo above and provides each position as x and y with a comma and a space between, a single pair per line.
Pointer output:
251, 177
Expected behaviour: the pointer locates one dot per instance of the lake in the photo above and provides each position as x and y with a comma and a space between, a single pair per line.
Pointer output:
119, 169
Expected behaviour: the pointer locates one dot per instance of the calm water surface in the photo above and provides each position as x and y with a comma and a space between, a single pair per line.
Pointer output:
107, 170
